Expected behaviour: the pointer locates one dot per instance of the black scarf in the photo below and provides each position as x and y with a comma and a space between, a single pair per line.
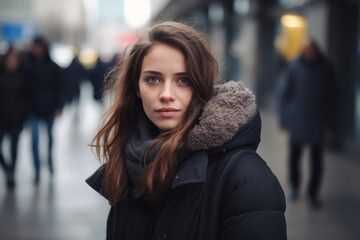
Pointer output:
137, 145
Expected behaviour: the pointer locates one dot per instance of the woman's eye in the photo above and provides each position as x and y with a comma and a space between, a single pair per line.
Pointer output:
184, 81
152, 79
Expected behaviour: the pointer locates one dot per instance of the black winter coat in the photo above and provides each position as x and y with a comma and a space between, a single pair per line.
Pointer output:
47, 87
307, 100
73, 75
15, 97
223, 190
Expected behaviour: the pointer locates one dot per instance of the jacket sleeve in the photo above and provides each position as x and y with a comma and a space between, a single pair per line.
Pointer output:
253, 202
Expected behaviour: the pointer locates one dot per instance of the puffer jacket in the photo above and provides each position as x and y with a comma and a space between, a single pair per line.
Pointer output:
223, 190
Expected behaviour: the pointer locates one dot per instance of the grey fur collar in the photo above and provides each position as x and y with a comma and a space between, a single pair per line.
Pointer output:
231, 107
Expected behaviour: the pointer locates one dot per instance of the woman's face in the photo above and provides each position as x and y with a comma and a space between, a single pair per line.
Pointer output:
164, 86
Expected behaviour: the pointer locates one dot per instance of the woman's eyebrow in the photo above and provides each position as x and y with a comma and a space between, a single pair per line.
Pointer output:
152, 72
181, 73
159, 73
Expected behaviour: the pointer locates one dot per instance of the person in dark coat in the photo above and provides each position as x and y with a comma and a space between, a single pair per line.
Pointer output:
307, 97
96, 76
48, 98
179, 154
73, 75
14, 108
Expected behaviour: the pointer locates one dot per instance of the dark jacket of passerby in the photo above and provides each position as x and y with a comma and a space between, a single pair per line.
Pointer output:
221, 190
307, 96
46, 81
15, 95
73, 75
97, 75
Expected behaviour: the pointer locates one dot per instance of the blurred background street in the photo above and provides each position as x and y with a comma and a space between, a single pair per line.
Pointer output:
254, 41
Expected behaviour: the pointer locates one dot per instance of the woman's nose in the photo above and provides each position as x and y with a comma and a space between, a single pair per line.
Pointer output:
167, 92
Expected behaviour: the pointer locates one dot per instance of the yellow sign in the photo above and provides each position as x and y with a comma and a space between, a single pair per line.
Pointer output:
293, 35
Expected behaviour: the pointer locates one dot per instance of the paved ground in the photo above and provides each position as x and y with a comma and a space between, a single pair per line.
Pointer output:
339, 217
65, 207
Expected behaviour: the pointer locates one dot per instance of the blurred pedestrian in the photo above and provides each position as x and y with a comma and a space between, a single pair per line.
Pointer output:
74, 74
180, 154
14, 108
48, 99
96, 74
307, 96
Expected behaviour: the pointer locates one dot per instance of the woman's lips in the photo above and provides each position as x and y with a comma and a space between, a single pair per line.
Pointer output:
167, 112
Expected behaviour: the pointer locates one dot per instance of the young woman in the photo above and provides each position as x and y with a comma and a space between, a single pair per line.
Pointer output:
179, 154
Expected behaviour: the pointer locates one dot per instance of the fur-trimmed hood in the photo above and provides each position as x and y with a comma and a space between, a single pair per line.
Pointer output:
230, 119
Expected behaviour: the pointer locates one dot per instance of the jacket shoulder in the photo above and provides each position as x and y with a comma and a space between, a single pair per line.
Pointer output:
249, 166
251, 199
251, 180
96, 179
248, 197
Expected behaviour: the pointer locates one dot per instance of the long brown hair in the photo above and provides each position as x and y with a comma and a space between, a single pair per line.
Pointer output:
120, 120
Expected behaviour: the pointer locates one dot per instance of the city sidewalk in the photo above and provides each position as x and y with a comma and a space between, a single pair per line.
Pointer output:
64, 207
339, 218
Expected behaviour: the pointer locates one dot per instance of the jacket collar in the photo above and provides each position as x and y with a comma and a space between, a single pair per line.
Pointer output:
192, 170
